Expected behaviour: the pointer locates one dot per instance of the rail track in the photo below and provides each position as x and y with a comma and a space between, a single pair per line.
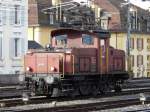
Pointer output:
129, 96
99, 102
90, 107
79, 105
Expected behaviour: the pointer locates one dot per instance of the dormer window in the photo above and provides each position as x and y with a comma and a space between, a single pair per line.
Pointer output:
87, 39
61, 40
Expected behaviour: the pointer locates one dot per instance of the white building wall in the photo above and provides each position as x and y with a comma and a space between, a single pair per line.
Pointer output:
11, 63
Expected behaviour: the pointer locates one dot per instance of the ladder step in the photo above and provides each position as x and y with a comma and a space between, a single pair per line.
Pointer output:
67, 85
66, 90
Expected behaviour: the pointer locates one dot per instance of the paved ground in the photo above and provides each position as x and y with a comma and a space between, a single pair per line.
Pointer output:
136, 108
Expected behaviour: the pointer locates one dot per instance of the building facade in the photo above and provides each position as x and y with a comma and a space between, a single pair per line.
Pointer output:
116, 22
13, 35
40, 23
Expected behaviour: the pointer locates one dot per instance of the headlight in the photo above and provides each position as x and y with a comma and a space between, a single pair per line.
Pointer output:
21, 78
49, 79
52, 69
28, 69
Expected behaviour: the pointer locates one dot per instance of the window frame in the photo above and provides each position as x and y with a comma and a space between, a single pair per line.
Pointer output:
140, 44
139, 63
17, 14
17, 45
132, 43
132, 60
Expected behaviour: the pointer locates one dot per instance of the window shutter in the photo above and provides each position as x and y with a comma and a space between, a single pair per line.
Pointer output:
12, 16
0, 16
132, 60
137, 43
12, 48
137, 60
4, 16
142, 59
22, 16
1, 53
22, 46
132, 43
3, 50
142, 43
18, 42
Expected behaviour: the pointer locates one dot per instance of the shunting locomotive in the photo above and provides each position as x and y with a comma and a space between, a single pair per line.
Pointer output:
76, 61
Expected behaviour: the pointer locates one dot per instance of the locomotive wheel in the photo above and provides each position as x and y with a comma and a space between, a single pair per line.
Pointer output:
85, 89
104, 88
50, 91
117, 88
56, 92
95, 90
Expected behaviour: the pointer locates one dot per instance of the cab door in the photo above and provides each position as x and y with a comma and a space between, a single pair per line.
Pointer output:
84, 64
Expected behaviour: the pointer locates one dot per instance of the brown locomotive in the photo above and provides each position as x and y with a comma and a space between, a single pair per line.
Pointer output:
76, 62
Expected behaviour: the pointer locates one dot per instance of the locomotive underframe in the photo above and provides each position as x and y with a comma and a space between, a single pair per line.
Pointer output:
75, 84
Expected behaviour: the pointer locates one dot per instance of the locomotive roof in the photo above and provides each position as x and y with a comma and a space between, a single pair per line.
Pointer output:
102, 34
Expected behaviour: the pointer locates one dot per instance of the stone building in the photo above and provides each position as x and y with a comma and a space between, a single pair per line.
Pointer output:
13, 35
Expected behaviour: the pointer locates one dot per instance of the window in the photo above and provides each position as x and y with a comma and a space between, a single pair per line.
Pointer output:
104, 24
17, 72
87, 39
148, 61
2, 15
51, 19
61, 40
148, 44
17, 15
133, 19
16, 45
132, 60
148, 74
148, 57
140, 44
132, 43
148, 40
139, 60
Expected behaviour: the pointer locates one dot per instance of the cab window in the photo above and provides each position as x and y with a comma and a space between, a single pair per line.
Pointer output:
61, 40
87, 39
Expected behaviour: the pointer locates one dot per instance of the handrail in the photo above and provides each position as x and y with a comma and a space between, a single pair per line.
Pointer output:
73, 64
101, 60
107, 59
63, 66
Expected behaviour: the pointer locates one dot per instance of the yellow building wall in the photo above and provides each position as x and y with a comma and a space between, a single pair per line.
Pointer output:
118, 40
30, 33
40, 34
55, 2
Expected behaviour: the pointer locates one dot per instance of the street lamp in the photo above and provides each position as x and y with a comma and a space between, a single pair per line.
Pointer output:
128, 4
128, 35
